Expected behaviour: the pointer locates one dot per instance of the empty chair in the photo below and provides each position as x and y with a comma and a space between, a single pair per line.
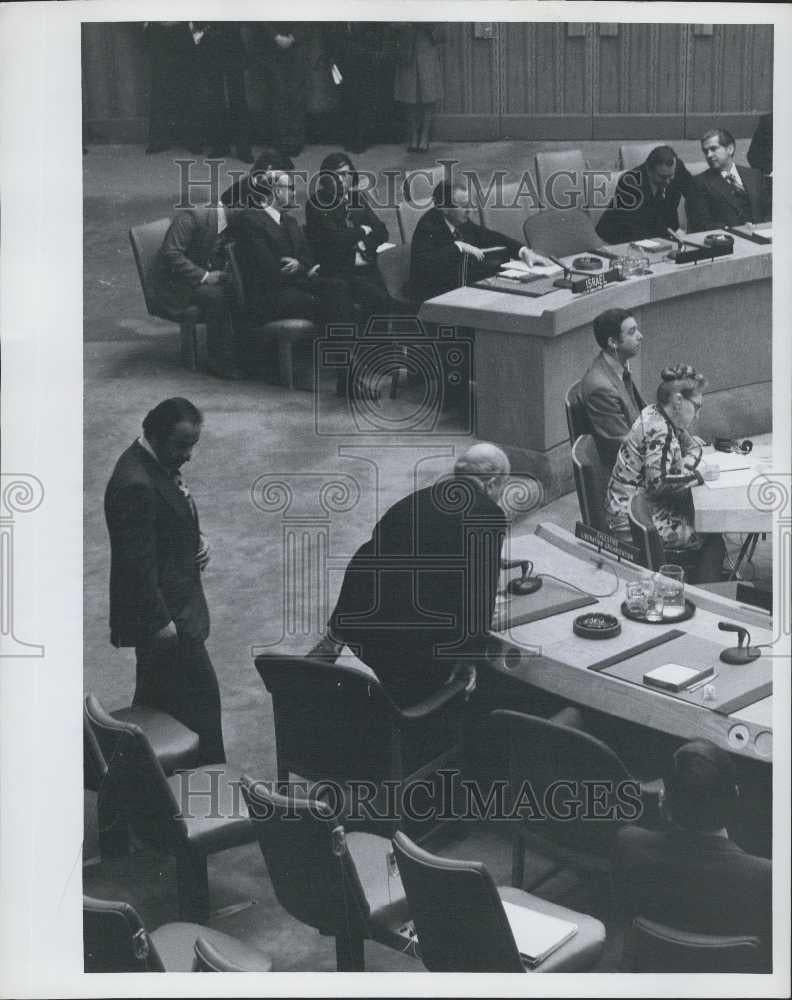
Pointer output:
286, 333
146, 240
174, 745
591, 482
335, 722
394, 266
545, 751
116, 940
577, 418
560, 233
343, 884
570, 165
461, 923
647, 540
210, 817
506, 208
653, 947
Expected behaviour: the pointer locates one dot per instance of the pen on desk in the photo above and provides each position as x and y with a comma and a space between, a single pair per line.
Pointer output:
701, 683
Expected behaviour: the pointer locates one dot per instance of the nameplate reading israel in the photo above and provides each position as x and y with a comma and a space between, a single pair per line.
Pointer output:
593, 283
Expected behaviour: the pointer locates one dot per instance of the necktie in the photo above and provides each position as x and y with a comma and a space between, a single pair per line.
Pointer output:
734, 182
181, 486
628, 383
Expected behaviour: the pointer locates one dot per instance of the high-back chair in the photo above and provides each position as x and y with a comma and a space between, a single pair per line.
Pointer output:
576, 416
115, 939
461, 923
545, 751
560, 232
633, 154
653, 947
174, 745
647, 539
506, 209
146, 240
591, 482
214, 819
343, 884
287, 333
554, 161
336, 722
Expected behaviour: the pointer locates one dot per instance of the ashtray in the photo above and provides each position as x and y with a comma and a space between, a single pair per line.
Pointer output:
596, 625
587, 263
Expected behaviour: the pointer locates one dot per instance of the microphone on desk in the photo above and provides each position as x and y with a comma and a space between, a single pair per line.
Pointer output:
525, 584
739, 655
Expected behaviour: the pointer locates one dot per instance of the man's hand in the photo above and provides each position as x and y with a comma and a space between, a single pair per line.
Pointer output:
166, 637
202, 555
214, 278
532, 259
466, 672
290, 265
367, 230
284, 41
314, 272
709, 473
469, 249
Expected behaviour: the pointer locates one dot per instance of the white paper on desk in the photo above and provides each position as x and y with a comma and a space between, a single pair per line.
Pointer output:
523, 268
732, 479
729, 461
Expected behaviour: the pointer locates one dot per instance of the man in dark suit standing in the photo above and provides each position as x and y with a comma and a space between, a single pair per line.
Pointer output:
692, 877
158, 553
607, 390
418, 598
760, 152
190, 271
447, 246
725, 194
646, 200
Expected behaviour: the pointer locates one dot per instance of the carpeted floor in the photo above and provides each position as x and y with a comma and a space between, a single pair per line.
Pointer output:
252, 430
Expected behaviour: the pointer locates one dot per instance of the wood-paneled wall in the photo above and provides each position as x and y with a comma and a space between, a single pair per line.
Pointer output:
547, 80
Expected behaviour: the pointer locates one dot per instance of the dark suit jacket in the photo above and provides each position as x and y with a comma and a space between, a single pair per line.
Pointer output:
714, 203
610, 407
437, 265
262, 243
694, 882
336, 230
154, 536
423, 586
635, 212
760, 152
189, 250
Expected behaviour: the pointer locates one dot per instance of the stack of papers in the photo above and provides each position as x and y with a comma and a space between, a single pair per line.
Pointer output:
518, 269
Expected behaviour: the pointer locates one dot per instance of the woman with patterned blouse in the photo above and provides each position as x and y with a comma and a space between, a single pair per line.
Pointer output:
662, 458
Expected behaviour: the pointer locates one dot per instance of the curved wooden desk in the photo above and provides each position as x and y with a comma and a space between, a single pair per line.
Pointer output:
546, 654
528, 351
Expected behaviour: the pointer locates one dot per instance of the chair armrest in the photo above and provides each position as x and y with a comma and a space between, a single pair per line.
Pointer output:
434, 703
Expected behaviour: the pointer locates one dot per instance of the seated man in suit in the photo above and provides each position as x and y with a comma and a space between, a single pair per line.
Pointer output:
237, 195
190, 271
418, 598
607, 390
692, 877
282, 277
447, 246
646, 200
725, 194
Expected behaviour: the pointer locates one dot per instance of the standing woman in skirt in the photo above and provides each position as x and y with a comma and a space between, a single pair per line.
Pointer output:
418, 82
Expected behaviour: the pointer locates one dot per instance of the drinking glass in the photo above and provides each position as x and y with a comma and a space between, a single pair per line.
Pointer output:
671, 584
637, 594
654, 607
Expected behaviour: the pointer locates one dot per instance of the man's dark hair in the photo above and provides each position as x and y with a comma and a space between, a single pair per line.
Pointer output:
725, 138
160, 421
661, 156
443, 194
608, 324
701, 786
271, 158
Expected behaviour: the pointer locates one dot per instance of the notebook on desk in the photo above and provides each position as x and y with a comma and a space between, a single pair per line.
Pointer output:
537, 935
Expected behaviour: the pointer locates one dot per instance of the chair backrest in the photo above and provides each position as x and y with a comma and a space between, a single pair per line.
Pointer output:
591, 482
115, 940
94, 763
331, 721
644, 533
653, 947
146, 240
408, 216
457, 912
312, 872
138, 782
560, 232
542, 752
394, 266
633, 154
505, 209
235, 272
550, 162
578, 422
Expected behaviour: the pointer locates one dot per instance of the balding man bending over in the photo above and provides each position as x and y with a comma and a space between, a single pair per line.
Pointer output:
418, 597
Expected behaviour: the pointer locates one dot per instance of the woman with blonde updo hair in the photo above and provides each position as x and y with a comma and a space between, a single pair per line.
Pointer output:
661, 457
